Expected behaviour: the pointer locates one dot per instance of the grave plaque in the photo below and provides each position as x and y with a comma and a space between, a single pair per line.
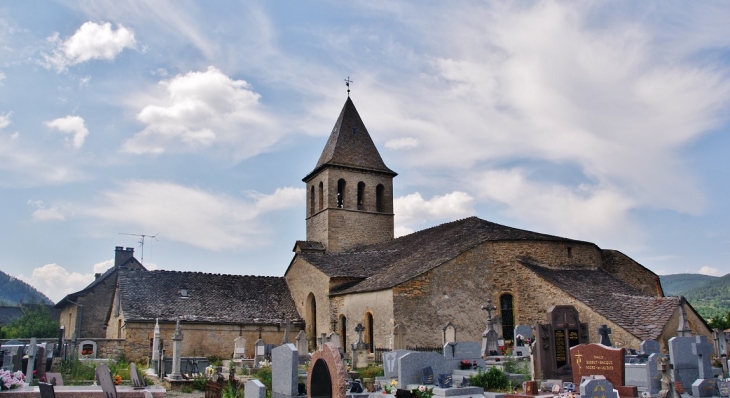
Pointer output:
724, 388
239, 347
46, 390
649, 347
597, 359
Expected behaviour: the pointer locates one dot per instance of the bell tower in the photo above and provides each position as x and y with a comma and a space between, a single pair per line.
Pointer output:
350, 190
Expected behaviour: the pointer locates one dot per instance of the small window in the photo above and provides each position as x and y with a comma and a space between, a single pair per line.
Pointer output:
321, 195
570, 252
360, 195
311, 201
379, 205
184, 293
341, 193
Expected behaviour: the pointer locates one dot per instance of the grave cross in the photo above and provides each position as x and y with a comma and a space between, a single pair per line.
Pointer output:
359, 329
32, 352
703, 351
334, 326
322, 339
489, 308
285, 325
260, 329
604, 331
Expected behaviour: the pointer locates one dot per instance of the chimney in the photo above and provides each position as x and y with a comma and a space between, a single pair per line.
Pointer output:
97, 275
121, 255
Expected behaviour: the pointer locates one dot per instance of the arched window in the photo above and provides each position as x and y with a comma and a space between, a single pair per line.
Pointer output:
311, 201
360, 195
343, 331
341, 193
506, 307
311, 321
370, 333
379, 205
321, 195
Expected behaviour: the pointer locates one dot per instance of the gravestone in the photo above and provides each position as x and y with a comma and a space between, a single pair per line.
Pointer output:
649, 347
359, 350
259, 352
685, 368
597, 359
40, 362
284, 361
87, 349
667, 391
177, 338
285, 325
705, 385
302, 342
449, 333
720, 342
596, 388
32, 352
390, 362
334, 338
156, 347
554, 339
523, 335
239, 347
104, 376
46, 390
723, 388
137, 383
604, 331
654, 373
490, 337
327, 373
254, 389
13, 358
399, 337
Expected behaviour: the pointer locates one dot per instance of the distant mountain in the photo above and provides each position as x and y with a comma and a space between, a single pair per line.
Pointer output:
677, 284
13, 291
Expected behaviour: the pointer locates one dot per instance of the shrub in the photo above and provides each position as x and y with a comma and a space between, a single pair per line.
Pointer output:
491, 380
263, 374
372, 372
199, 383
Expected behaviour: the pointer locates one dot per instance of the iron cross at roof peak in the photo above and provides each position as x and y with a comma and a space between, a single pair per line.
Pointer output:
347, 83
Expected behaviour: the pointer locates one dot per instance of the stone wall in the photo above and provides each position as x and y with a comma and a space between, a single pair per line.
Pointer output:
631, 272
696, 323
90, 315
304, 280
355, 308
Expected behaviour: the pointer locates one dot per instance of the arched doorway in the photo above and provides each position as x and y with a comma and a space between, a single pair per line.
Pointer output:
370, 331
311, 321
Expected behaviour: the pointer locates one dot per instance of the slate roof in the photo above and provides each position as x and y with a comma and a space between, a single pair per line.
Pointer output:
217, 298
387, 264
350, 145
641, 315
71, 297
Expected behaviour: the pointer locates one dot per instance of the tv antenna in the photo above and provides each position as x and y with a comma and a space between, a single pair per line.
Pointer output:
141, 242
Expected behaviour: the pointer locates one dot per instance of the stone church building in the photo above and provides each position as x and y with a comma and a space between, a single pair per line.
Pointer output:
351, 269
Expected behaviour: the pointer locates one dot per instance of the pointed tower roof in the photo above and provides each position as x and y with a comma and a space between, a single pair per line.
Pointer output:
350, 145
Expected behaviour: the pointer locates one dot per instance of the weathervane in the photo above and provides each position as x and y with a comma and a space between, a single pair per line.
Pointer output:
347, 83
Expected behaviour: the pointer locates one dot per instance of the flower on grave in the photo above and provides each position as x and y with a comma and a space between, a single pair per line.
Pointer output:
422, 392
390, 387
9, 380
117, 379
421, 388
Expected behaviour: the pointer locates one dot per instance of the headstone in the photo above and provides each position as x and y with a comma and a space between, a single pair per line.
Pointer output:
490, 337
667, 391
137, 383
523, 336
156, 346
723, 388
704, 388
411, 365
649, 347
449, 333
334, 338
40, 362
32, 353
654, 373
87, 349
553, 341
604, 331
705, 385
327, 373
254, 389
259, 352
46, 390
13, 358
177, 338
239, 347
685, 368
284, 362
359, 350
302, 342
596, 388
399, 337
597, 359
390, 362
105, 381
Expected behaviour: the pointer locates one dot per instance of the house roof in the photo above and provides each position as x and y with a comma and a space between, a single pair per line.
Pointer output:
350, 145
217, 298
390, 263
639, 314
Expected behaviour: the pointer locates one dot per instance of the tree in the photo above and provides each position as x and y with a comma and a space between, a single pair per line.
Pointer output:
720, 322
35, 322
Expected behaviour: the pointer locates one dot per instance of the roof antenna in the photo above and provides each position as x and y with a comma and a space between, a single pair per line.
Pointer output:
141, 242
347, 83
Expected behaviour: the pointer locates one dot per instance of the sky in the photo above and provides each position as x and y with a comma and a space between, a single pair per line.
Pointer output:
603, 121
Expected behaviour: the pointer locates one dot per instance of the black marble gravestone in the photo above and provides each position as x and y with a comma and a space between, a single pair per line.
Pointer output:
554, 339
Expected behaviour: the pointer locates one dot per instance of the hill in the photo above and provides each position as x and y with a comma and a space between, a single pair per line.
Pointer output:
13, 291
711, 299
678, 284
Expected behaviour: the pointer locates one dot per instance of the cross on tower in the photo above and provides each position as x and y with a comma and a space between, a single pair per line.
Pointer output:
347, 83
604, 331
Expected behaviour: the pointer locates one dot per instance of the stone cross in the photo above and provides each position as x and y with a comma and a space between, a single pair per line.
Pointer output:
177, 338
260, 329
285, 325
604, 331
359, 329
489, 308
667, 390
703, 351
322, 339
32, 352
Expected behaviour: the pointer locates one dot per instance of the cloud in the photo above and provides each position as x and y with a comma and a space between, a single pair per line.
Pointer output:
412, 209
192, 215
197, 110
707, 270
2, 77
402, 143
5, 119
56, 282
41, 213
91, 41
101, 267
71, 125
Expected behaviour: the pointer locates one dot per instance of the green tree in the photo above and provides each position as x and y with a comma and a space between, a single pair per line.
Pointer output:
35, 322
719, 322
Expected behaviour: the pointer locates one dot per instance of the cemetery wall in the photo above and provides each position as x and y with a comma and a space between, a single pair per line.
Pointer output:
631, 272
355, 308
204, 339
305, 279
343, 228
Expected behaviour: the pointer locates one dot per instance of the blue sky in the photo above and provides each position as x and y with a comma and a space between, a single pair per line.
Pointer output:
599, 121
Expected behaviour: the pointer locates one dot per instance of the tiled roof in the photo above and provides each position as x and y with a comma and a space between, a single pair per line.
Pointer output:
387, 264
641, 315
308, 246
217, 298
350, 145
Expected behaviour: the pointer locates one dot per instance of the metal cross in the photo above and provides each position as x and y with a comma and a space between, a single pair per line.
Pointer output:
489, 308
347, 83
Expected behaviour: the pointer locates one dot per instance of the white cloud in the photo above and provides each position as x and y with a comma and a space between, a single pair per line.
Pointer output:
56, 282
41, 213
91, 41
101, 267
413, 209
191, 215
202, 109
402, 143
5, 119
2, 77
707, 270
71, 125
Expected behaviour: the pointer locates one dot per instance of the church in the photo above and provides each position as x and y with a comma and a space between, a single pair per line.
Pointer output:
352, 270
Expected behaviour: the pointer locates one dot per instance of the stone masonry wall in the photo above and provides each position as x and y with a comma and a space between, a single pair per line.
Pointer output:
696, 323
305, 279
94, 308
355, 308
631, 272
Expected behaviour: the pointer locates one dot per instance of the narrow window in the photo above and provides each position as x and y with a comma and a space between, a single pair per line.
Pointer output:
119, 329
341, 193
506, 306
321, 195
343, 330
570, 252
311, 201
360, 195
379, 198
371, 333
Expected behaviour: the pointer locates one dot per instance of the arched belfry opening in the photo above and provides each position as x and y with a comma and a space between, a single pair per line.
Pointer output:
341, 193
360, 195
321, 195
379, 201
311, 201
311, 321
